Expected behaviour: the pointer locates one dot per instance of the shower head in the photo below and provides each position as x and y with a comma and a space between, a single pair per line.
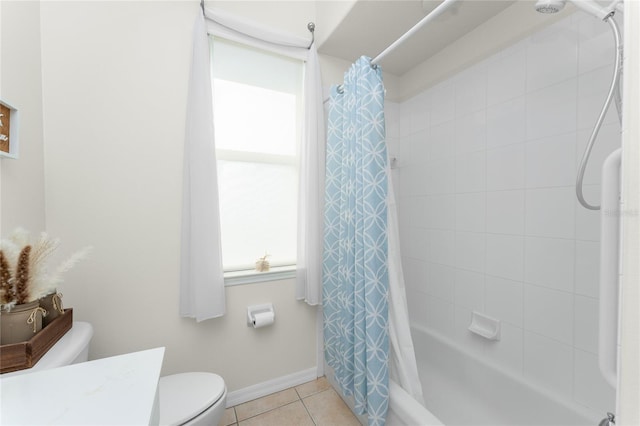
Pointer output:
589, 6
550, 6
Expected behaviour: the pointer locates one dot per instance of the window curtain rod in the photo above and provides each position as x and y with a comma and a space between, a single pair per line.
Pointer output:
312, 29
310, 26
430, 17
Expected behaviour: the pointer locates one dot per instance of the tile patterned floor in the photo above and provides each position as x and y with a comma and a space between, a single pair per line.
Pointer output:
314, 404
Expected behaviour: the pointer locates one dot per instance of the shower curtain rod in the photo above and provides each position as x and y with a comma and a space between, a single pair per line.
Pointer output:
431, 16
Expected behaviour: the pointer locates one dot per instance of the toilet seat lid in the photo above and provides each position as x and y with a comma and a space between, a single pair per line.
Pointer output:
186, 395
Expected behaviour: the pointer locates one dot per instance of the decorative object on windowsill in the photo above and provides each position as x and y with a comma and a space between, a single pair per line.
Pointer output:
25, 280
262, 264
8, 130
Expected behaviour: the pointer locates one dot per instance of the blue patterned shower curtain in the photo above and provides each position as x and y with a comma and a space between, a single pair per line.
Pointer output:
355, 275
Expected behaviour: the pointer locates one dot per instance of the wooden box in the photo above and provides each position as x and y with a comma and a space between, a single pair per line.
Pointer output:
22, 355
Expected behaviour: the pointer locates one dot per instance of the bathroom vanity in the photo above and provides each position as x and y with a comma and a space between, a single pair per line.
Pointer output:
120, 390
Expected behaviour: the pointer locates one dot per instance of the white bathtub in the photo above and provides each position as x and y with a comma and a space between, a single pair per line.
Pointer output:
406, 411
403, 409
460, 390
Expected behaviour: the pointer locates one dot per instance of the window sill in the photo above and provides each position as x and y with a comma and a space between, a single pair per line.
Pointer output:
251, 277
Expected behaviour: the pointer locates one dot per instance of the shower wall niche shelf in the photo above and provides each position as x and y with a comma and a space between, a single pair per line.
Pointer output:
485, 326
8, 131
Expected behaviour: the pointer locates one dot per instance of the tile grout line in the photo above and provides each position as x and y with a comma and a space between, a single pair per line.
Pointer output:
272, 409
307, 409
299, 398
235, 414
268, 411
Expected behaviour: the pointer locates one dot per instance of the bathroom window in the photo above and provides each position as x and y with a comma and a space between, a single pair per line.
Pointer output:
257, 117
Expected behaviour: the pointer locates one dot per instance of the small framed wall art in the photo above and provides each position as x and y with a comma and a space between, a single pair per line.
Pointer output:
8, 130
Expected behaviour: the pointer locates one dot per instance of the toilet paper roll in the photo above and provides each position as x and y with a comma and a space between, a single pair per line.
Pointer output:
263, 319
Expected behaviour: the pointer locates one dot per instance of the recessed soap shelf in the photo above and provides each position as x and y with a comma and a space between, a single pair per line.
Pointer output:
485, 326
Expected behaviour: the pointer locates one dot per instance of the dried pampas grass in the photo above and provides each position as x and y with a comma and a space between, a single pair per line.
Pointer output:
11, 250
42, 250
22, 276
33, 278
7, 293
48, 282
20, 237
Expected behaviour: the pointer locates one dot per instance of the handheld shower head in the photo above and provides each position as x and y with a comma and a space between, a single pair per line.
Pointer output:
550, 6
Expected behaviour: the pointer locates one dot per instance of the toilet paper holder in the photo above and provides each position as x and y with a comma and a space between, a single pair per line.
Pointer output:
253, 310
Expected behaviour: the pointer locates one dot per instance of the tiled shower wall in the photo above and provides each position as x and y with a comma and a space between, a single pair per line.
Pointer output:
486, 166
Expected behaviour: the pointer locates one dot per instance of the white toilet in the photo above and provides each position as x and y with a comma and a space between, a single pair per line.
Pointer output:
192, 399
188, 399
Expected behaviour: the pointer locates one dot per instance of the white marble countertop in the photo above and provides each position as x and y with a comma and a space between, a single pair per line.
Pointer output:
120, 390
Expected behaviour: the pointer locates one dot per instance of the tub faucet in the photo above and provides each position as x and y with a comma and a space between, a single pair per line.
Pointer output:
609, 421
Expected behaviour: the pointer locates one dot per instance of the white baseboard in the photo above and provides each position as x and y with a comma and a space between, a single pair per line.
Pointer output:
270, 386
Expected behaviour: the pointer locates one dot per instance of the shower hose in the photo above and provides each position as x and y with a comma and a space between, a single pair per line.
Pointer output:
614, 91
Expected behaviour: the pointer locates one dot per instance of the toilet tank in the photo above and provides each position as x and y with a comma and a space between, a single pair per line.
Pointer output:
72, 348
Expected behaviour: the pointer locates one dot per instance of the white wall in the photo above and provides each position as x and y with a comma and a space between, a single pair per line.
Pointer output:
329, 15
509, 26
115, 84
489, 220
22, 180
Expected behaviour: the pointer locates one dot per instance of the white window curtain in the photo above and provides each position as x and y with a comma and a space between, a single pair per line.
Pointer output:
202, 284
202, 277
312, 153
311, 189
